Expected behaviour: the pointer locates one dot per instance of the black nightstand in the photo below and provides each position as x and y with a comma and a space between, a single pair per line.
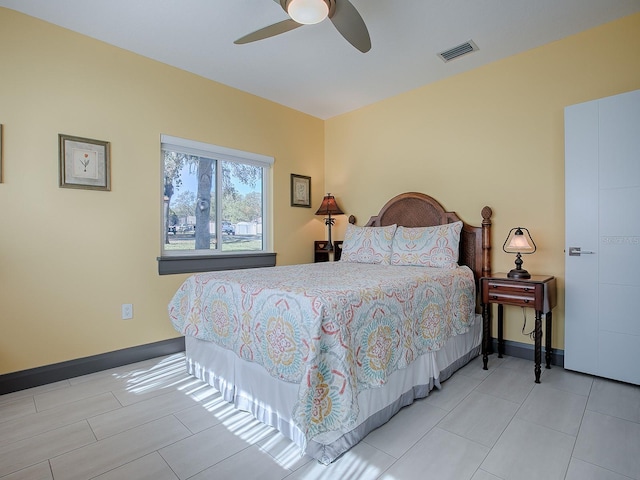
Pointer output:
320, 254
537, 292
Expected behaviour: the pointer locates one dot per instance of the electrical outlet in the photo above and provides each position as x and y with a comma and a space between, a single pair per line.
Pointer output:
127, 311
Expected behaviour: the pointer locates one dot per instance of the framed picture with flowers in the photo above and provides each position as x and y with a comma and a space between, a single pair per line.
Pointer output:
300, 191
84, 163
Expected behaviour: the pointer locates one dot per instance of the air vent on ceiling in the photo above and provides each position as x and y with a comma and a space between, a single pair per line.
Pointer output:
458, 51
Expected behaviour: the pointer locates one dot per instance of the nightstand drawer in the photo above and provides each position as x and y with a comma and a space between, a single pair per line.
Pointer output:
510, 298
511, 287
510, 293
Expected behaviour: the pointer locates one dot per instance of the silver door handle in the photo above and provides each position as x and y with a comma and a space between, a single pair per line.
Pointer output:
577, 251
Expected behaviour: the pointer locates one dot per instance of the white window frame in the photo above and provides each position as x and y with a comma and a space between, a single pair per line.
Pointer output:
186, 261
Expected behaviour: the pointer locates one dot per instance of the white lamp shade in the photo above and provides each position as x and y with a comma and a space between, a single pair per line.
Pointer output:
308, 12
519, 243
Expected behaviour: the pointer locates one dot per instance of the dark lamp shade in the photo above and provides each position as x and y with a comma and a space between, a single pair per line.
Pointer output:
329, 206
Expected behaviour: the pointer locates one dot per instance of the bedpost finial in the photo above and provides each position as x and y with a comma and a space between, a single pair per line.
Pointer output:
486, 213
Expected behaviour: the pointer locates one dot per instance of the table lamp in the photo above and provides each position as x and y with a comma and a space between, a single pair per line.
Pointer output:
520, 244
329, 207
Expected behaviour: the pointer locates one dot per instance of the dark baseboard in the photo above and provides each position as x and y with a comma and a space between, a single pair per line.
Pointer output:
525, 350
12, 382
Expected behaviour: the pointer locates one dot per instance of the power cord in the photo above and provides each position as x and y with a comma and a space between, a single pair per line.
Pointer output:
532, 333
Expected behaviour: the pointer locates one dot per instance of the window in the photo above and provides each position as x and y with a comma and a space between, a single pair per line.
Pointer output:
214, 208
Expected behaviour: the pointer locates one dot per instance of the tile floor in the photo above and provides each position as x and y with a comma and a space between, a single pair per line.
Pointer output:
151, 421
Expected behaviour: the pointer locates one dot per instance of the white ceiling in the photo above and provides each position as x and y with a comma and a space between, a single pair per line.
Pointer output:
313, 69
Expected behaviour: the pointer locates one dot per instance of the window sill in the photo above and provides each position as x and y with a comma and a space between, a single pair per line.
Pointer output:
210, 263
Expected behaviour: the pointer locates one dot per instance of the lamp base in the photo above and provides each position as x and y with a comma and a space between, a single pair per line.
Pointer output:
518, 273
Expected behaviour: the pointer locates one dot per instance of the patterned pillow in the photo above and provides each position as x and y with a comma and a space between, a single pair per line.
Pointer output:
427, 246
367, 244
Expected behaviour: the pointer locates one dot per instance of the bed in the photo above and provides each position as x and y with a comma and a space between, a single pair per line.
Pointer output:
327, 352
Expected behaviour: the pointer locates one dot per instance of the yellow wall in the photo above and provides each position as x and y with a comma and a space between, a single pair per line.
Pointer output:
70, 258
493, 136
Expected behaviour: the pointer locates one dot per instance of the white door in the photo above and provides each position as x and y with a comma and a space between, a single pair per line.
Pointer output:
602, 237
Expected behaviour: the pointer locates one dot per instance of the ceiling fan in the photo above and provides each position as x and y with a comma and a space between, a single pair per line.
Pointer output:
342, 13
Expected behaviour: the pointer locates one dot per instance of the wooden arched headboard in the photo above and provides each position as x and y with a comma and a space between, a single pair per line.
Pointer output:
413, 209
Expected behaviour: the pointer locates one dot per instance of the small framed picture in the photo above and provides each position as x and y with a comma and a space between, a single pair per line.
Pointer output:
84, 163
300, 191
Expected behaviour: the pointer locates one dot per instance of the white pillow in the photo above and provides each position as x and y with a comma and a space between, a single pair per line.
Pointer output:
427, 246
368, 244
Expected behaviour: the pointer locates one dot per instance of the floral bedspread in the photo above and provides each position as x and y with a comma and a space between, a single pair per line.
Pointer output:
334, 328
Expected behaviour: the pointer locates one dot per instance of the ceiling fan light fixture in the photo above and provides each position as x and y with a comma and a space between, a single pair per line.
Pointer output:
308, 12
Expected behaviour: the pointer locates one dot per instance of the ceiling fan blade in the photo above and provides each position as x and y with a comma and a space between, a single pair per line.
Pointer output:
351, 26
270, 31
